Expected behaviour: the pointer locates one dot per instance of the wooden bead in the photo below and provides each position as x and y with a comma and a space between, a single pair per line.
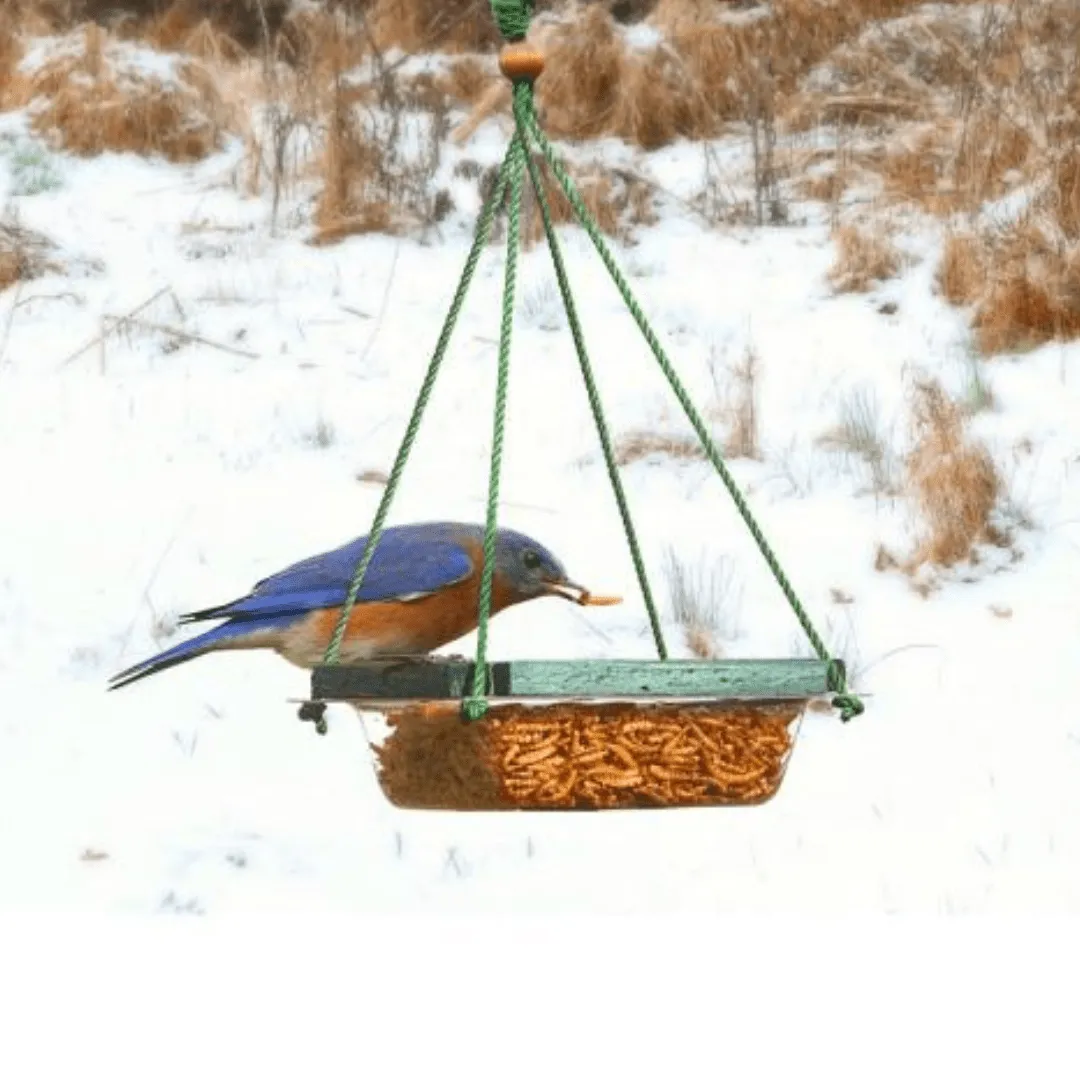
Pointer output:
521, 61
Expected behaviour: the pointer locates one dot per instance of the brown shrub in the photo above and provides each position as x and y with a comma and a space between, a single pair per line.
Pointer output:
164, 22
1024, 310
638, 445
430, 25
89, 100
952, 479
468, 79
705, 72
346, 205
863, 256
10, 52
961, 273
379, 162
24, 254
616, 199
1024, 279
989, 148
1065, 190
740, 413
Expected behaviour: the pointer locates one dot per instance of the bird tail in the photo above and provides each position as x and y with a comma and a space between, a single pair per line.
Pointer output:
229, 635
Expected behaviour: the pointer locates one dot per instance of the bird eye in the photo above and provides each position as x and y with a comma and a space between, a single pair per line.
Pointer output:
531, 560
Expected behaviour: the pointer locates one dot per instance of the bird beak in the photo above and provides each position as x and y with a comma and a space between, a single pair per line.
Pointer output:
578, 594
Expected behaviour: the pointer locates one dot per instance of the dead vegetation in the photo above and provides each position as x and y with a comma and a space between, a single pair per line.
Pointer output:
617, 199
24, 254
865, 256
737, 408
380, 157
639, 445
942, 108
705, 598
95, 93
987, 115
953, 481
860, 435
1022, 280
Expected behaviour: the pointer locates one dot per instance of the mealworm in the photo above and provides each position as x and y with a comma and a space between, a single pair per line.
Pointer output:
560, 790
628, 759
630, 726
517, 790
614, 778
590, 757
726, 777
541, 753
664, 773
702, 736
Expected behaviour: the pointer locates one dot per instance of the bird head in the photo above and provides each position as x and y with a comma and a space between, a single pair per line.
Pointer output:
530, 570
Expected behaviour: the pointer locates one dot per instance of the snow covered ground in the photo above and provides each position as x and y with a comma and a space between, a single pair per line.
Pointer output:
140, 479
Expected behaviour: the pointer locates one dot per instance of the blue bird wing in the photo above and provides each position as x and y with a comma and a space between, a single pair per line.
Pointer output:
409, 563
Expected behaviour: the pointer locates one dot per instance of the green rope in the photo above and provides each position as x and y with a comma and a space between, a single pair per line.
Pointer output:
480, 240
848, 703
474, 706
594, 398
512, 17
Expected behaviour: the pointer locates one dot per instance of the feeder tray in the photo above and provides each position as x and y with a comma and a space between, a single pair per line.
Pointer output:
580, 735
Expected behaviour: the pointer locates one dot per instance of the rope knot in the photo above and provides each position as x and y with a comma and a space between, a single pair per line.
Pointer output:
512, 17
849, 705
474, 708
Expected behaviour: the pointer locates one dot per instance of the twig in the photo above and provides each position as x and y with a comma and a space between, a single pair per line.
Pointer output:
48, 296
196, 338
117, 321
8, 321
145, 598
382, 307
885, 656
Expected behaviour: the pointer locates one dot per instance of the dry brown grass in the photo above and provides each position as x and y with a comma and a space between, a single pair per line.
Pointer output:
739, 413
245, 21
705, 598
953, 481
617, 199
24, 254
706, 72
962, 270
346, 204
1023, 280
860, 435
638, 445
378, 164
433, 25
11, 51
865, 255
91, 98
990, 106
1064, 192
1023, 310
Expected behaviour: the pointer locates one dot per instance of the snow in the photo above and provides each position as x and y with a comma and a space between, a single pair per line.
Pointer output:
149, 476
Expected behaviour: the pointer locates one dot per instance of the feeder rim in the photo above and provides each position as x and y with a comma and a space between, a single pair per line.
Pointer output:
435, 678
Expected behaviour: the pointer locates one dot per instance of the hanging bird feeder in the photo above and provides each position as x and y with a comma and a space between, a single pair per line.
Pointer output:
580, 734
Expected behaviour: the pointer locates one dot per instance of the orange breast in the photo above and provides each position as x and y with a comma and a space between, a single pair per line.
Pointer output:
415, 626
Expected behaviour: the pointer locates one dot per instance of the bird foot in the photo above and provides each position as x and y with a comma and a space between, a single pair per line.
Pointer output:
314, 711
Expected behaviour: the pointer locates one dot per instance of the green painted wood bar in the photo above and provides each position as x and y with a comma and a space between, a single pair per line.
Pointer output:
434, 679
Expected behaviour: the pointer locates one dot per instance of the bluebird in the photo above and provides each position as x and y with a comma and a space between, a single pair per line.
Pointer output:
421, 591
